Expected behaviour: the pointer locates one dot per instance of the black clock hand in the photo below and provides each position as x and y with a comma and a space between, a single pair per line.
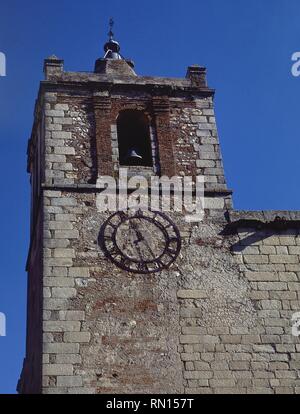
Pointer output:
139, 238
139, 235
137, 247
148, 246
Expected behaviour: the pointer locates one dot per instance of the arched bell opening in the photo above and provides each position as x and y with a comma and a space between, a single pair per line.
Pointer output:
134, 139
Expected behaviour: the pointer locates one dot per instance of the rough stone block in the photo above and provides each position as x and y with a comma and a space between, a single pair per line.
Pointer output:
64, 262
222, 383
64, 201
61, 326
56, 158
60, 225
64, 150
259, 259
69, 381
77, 337
239, 365
262, 276
61, 348
272, 286
201, 366
55, 304
58, 369
61, 166
61, 135
72, 315
63, 292
189, 339
61, 107
284, 258
53, 113
64, 252
214, 203
63, 121
68, 358
79, 272
192, 294
197, 375
66, 234
81, 390
190, 356
54, 127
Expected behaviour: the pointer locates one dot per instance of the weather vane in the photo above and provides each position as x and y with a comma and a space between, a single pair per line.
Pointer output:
111, 25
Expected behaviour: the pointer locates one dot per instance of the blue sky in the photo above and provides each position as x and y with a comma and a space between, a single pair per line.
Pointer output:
246, 47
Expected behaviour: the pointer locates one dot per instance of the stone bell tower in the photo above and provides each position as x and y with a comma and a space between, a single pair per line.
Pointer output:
107, 318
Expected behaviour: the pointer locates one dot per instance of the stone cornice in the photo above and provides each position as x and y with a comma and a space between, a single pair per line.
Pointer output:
271, 219
153, 86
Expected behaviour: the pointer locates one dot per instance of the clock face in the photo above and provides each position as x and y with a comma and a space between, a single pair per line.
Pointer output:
140, 241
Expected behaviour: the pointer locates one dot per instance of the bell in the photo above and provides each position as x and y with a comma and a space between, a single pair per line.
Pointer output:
133, 157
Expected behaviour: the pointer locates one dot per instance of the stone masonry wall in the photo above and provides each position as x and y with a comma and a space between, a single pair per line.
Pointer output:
219, 321
197, 149
69, 140
105, 330
237, 304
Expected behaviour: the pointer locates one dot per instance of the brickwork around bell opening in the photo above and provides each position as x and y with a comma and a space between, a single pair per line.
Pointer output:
70, 139
218, 321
